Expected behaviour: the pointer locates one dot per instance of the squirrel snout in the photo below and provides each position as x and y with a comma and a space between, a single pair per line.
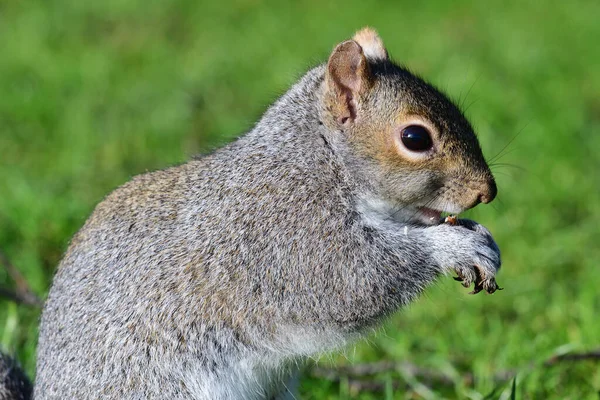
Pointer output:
479, 191
487, 191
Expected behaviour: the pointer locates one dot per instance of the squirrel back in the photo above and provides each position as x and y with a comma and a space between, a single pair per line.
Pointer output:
212, 279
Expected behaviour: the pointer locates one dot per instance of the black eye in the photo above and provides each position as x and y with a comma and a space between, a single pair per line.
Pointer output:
416, 138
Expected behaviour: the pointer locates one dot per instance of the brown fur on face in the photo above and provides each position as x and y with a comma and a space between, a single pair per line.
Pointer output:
454, 169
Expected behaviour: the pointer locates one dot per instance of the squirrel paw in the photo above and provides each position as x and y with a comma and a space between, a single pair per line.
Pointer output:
488, 284
468, 248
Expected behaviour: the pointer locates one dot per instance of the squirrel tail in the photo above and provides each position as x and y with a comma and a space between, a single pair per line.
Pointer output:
14, 384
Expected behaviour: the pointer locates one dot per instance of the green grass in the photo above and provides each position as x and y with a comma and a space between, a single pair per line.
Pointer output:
92, 93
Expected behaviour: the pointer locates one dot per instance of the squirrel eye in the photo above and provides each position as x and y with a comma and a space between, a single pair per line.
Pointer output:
416, 138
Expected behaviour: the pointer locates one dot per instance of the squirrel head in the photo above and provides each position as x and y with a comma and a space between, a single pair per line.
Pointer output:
421, 152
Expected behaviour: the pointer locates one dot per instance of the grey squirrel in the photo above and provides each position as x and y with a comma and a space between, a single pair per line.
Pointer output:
215, 278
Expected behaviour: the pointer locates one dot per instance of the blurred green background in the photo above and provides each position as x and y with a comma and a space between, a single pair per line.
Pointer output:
92, 93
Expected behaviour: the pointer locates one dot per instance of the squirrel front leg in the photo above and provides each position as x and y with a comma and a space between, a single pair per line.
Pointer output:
466, 248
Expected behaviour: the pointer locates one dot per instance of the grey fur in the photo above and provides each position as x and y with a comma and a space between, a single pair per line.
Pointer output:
14, 385
215, 278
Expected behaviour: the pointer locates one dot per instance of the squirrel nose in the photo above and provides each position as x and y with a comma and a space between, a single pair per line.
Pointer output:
488, 191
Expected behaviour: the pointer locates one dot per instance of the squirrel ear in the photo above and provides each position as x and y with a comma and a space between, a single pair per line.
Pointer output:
347, 77
371, 43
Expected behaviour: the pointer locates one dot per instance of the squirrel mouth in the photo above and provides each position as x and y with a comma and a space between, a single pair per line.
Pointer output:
428, 216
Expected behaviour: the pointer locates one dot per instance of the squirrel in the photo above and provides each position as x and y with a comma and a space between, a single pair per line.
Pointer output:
14, 384
214, 279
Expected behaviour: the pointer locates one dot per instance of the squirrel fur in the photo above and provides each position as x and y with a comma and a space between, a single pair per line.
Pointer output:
214, 279
14, 384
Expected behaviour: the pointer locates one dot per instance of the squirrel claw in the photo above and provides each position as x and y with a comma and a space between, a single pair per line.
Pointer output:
466, 282
476, 290
489, 285
481, 283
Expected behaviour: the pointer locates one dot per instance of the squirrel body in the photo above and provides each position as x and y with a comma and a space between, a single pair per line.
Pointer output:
212, 279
